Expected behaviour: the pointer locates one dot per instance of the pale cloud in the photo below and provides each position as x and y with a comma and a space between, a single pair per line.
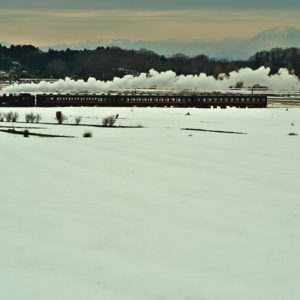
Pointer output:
43, 27
152, 5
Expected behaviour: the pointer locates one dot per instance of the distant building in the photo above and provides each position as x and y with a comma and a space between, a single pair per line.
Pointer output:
16, 65
126, 71
3, 75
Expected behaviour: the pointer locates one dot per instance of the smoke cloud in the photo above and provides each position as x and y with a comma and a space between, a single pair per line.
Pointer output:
282, 81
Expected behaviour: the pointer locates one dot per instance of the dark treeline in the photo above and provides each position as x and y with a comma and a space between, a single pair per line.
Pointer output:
106, 63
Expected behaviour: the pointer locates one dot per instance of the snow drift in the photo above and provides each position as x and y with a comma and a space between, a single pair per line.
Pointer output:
281, 81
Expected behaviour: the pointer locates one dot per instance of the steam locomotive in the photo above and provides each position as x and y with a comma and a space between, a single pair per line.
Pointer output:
201, 100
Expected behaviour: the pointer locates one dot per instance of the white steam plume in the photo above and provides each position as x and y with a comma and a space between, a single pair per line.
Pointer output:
282, 81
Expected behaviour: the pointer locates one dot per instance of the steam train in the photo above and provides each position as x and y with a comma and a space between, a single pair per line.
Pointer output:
201, 100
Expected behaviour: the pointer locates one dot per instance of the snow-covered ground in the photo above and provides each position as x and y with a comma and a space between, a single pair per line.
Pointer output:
153, 212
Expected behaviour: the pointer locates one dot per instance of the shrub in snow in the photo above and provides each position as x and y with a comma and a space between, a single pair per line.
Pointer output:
26, 133
293, 133
78, 120
60, 117
8, 116
38, 118
1, 117
30, 117
87, 134
108, 121
14, 117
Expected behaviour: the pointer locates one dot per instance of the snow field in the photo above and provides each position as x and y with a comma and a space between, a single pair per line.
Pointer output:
152, 213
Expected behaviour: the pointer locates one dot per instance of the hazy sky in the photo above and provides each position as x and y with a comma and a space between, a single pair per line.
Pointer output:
47, 22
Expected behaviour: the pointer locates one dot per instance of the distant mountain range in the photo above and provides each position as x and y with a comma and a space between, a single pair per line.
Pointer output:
230, 48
